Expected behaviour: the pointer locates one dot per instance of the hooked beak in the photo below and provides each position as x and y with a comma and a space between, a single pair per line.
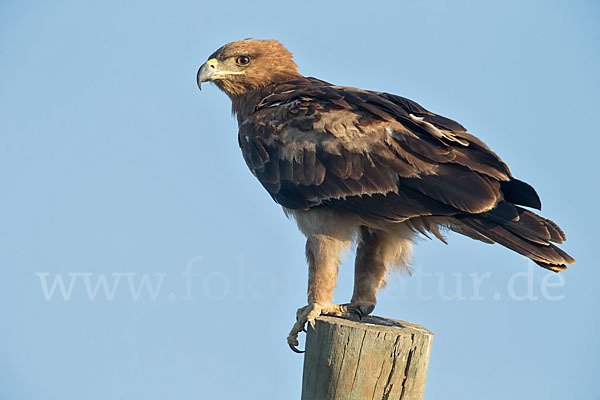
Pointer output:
206, 72
211, 70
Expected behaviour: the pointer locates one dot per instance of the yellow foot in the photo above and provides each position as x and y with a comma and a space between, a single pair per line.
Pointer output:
310, 312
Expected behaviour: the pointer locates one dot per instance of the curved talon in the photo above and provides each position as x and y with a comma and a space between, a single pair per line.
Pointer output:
356, 311
308, 314
304, 315
293, 342
360, 309
295, 349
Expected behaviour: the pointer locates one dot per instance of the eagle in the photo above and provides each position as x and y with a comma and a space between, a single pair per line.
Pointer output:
368, 168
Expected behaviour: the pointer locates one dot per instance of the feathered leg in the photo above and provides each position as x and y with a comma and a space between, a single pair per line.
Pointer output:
378, 251
323, 256
369, 270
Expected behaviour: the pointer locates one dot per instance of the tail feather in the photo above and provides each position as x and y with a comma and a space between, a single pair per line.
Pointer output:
535, 228
527, 234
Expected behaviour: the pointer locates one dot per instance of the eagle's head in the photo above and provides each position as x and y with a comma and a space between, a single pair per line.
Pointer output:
246, 65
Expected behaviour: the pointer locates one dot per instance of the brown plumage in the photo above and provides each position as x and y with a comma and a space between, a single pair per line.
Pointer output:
352, 164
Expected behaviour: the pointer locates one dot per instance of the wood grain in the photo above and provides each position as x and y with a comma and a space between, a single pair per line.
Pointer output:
375, 358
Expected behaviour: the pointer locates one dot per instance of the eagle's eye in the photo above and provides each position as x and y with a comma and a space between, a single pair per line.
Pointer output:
242, 60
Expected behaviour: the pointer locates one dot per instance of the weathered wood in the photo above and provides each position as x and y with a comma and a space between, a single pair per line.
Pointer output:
376, 358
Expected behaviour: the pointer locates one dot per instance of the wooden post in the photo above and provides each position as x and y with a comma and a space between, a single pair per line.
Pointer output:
376, 358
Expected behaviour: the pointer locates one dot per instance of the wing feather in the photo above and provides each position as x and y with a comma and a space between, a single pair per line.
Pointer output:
375, 154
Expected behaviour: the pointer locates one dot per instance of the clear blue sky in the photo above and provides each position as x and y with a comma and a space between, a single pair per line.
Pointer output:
114, 166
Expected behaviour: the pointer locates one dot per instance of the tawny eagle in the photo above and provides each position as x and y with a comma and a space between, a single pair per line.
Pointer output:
354, 165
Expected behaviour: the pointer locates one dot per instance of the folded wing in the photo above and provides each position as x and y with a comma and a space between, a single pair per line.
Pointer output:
385, 157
